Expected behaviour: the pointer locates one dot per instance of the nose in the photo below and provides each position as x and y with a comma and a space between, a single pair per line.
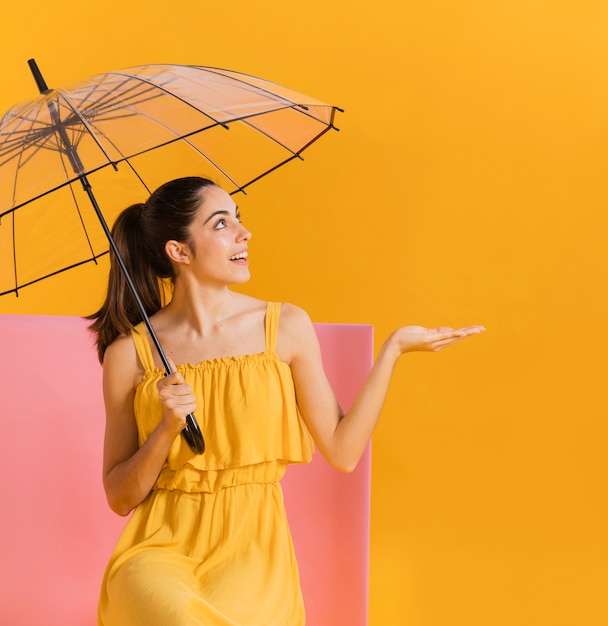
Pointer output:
244, 234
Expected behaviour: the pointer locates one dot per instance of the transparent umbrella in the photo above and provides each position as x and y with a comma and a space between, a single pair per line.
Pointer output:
125, 132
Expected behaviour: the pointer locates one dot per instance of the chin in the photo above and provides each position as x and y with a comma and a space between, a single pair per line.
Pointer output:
242, 280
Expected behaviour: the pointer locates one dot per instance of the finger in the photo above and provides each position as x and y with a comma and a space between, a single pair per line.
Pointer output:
173, 367
442, 343
178, 403
178, 392
171, 379
181, 408
473, 330
459, 332
448, 334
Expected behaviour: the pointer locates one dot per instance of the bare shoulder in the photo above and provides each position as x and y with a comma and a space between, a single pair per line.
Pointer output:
296, 332
294, 317
121, 363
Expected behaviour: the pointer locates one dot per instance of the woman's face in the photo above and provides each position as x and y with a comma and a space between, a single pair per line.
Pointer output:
218, 241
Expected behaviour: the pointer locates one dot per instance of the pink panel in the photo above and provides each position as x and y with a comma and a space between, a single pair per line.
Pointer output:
56, 530
328, 510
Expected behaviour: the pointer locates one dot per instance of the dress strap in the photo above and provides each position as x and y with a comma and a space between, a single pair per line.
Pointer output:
273, 312
142, 346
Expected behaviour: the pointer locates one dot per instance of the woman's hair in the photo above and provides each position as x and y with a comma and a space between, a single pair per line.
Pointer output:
141, 232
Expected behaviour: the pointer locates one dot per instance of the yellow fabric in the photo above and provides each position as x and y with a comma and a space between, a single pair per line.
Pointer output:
210, 545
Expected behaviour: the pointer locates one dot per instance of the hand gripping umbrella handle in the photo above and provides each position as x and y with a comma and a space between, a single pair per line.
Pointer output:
192, 433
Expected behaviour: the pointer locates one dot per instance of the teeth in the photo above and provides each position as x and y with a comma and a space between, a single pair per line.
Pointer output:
241, 255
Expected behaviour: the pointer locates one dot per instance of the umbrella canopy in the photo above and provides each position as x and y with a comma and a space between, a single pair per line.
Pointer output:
231, 127
227, 126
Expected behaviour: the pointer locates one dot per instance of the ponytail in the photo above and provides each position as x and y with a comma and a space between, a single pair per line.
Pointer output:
119, 313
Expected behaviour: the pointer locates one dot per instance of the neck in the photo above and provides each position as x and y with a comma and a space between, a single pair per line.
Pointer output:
200, 308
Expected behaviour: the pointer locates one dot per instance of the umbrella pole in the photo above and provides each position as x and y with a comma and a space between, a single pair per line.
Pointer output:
192, 432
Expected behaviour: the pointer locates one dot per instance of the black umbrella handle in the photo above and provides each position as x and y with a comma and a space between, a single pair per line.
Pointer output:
193, 435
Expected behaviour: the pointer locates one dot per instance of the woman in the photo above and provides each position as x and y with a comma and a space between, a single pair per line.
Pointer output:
208, 541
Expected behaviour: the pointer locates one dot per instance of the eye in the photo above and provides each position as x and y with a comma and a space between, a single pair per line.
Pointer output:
220, 224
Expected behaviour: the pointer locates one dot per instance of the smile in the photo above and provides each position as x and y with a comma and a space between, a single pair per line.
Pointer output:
240, 256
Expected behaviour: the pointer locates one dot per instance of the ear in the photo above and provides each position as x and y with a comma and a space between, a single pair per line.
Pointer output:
178, 252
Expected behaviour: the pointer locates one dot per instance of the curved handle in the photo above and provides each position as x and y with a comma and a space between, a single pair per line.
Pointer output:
193, 435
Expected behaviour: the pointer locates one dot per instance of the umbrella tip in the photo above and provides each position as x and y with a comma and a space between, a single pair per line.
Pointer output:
40, 82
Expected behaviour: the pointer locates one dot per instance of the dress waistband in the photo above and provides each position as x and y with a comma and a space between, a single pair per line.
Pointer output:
192, 480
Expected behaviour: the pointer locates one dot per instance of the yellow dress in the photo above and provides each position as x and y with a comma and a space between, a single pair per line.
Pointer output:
210, 545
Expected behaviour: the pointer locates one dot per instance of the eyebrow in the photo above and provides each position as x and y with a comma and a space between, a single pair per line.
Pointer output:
222, 212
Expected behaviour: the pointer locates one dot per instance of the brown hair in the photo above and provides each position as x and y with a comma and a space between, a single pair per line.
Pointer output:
141, 232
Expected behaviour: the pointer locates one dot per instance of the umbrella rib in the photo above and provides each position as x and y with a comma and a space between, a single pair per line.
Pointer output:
246, 122
137, 175
214, 164
196, 149
19, 159
327, 128
84, 228
64, 269
272, 169
316, 137
15, 256
44, 193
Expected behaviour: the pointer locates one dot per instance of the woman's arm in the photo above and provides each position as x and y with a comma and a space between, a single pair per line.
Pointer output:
342, 438
129, 472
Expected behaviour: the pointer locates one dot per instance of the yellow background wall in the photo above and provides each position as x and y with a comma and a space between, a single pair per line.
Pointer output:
467, 185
